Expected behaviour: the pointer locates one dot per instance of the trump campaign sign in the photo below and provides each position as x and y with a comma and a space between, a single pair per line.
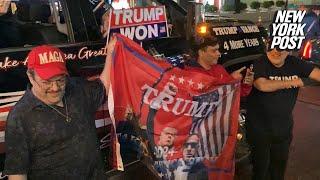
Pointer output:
140, 23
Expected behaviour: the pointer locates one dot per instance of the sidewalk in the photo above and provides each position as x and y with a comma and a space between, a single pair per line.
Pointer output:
310, 95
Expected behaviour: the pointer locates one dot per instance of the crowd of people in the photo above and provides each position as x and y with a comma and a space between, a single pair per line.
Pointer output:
54, 96
43, 139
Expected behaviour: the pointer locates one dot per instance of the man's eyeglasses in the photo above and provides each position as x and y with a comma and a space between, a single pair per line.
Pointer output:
278, 49
60, 82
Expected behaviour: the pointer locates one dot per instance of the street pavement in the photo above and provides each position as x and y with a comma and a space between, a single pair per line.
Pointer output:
304, 157
304, 160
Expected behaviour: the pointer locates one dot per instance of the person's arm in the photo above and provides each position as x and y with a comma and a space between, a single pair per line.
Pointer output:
17, 177
105, 75
266, 85
315, 74
305, 69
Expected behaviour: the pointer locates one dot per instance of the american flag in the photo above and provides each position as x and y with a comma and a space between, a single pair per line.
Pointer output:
163, 29
8, 100
214, 129
177, 61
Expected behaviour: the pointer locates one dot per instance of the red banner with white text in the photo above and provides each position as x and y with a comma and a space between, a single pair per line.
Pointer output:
185, 121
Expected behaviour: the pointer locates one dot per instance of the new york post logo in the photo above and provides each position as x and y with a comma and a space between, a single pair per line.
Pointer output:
287, 31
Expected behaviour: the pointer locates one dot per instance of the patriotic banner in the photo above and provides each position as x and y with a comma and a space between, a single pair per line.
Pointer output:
185, 121
140, 23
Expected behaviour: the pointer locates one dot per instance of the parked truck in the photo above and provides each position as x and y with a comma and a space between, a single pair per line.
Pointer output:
75, 28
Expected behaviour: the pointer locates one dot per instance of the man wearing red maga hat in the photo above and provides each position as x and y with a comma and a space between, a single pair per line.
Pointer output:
51, 132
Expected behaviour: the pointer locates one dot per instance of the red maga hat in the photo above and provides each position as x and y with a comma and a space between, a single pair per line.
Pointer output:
47, 61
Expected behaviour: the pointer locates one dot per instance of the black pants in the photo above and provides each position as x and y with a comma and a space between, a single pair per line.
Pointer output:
269, 156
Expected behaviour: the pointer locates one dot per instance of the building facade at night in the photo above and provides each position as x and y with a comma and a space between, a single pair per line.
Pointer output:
119, 4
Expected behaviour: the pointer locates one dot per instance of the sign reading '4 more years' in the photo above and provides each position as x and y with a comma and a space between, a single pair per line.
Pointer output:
140, 23
238, 37
240, 44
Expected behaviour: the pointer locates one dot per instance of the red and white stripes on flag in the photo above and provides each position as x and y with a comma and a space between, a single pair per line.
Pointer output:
7, 101
214, 129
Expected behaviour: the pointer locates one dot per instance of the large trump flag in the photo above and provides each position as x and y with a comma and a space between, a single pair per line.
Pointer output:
186, 120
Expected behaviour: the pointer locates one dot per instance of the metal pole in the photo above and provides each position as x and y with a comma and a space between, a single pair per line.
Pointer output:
286, 5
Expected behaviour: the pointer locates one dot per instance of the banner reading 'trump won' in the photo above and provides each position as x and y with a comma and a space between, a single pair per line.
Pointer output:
140, 23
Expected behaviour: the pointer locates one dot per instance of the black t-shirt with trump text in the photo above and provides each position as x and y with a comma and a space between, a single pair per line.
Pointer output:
271, 112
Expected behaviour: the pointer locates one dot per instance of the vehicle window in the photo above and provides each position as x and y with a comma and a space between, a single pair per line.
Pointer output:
59, 17
102, 11
25, 24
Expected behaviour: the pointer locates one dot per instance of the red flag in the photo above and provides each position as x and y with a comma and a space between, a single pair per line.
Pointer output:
189, 118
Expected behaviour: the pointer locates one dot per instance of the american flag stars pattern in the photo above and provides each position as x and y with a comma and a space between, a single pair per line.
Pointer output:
176, 61
182, 80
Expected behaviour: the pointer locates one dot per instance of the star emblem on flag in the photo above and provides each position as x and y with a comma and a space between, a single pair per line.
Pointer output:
200, 85
190, 82
162, 29
172, 78
181, 80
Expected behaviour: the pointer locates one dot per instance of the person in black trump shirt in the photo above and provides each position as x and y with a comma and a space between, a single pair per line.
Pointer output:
269, 117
